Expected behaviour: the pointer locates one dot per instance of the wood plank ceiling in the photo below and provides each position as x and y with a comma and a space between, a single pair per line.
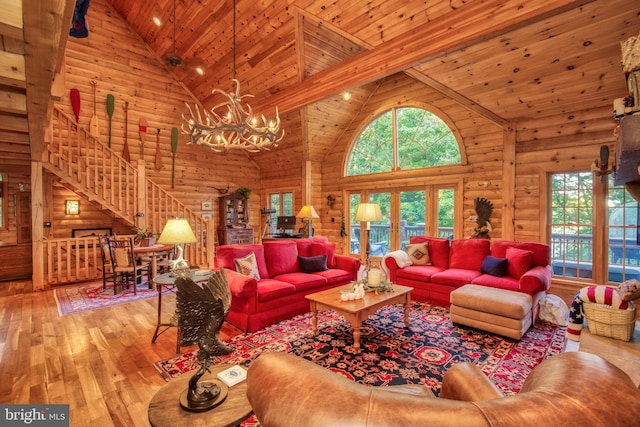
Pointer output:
507, 60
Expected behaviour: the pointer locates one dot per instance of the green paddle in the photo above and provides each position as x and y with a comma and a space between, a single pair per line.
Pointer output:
174, 148
111, 102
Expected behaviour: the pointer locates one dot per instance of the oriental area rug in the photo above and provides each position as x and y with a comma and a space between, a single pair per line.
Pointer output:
392, 354
74, 299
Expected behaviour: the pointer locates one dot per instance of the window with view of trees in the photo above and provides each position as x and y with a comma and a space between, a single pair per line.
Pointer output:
403, 138
420, 138
573, 209
282, 203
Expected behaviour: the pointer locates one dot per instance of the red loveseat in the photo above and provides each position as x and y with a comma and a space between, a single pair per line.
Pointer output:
280, 291
459, 262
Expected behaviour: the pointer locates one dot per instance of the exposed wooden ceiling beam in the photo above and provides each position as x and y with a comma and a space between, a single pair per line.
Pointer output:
11, 18
12, 70
472, 23
44, 23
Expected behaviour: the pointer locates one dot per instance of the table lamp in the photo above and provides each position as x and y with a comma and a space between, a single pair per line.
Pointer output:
368, 212
177, 231
307, 214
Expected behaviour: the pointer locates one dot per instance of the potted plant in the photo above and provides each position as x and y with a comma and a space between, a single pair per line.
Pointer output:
144, 236
244, 191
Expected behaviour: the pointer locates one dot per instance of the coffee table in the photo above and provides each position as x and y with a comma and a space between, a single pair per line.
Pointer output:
356, 311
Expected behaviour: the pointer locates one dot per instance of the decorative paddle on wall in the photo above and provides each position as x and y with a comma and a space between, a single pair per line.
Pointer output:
125, 149
158, 154
174, 148
111, 103
94, 126
142, 128
74, 94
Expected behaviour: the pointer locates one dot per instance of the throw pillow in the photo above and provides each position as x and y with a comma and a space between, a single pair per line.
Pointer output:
311, 264
319, 248
494, 266
519, 261
419, 253
247, 266
629, 290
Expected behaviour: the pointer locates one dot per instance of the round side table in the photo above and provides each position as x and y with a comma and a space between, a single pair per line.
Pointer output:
165, 410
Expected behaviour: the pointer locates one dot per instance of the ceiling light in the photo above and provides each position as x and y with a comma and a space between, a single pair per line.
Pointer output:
157, 21
230, 124
200, 71
346, 96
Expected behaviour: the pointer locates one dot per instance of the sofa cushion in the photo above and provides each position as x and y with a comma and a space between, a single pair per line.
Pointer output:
421, 273
270, 289
419, 253
541, 254
455, 276
247, 266
494, 266
438, 249
303, 281
519, 261
281, 257
329, 249
225, 254
507, 282
304, 245
312, 264
335, 276
468, 254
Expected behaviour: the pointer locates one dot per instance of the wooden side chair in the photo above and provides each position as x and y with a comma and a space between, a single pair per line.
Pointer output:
107, 264
125, 269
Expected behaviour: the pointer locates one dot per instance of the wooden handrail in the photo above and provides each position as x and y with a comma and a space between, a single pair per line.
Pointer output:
105, 177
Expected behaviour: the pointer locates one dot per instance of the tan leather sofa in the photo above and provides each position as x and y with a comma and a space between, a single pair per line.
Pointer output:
569, 389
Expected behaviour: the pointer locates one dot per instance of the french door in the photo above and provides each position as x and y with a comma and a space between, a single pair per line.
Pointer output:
406, 212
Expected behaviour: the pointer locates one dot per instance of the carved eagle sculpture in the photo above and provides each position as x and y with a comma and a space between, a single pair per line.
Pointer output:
201, 312
484, 209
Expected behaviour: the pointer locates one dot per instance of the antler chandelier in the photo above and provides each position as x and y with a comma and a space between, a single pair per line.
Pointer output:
229, 124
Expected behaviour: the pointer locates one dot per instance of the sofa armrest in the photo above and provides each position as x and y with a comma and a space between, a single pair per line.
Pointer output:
537, 279
241, 286
347, 263
465, 381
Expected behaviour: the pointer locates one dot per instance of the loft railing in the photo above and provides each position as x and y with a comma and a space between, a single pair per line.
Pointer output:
102, 176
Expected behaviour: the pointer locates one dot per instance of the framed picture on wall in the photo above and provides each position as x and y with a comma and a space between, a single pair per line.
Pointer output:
207, 205
207, 216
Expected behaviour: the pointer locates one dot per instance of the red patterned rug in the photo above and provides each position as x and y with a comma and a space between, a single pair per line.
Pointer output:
74, 299
392, 354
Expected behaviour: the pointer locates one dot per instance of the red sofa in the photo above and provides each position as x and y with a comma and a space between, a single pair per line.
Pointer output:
280, 292
458, 262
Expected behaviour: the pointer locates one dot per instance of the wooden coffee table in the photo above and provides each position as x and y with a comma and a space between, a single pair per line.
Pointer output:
356, 311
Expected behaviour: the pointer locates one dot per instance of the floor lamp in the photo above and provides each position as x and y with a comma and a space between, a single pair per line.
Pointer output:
307, 214
368, 212
178, 232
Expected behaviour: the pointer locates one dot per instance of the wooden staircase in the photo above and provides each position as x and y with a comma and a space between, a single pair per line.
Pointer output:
93, 170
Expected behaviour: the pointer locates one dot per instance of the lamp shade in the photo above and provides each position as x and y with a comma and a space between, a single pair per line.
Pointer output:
308, 212
368, 212
177, 231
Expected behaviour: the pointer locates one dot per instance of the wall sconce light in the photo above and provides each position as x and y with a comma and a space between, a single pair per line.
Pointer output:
72, 207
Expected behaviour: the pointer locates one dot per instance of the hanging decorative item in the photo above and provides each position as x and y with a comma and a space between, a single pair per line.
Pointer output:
74, 95
142, 129
94, 126
111, 103
125, 149
484, 209
230, 124
174, 148
158, 154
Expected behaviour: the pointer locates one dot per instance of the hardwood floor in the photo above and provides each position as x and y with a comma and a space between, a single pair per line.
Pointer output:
101, 361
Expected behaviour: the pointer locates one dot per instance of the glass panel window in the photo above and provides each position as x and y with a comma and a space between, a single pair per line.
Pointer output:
412, 215
623, 239
354, 232
445, 212
571, 226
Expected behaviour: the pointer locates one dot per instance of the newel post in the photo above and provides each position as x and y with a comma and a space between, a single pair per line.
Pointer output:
141, 203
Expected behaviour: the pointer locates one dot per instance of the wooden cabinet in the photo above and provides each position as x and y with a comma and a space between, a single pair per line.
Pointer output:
233, 228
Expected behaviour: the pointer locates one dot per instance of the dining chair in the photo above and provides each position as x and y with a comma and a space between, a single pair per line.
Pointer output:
107, 265
125, 269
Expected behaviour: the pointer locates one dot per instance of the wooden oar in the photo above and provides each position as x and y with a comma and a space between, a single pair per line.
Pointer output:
142, 128
125, 149
74, 94
111, 103
158, 154
94, 126
174, 148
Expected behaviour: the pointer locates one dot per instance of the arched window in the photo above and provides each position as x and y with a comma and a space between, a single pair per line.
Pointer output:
403, 138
